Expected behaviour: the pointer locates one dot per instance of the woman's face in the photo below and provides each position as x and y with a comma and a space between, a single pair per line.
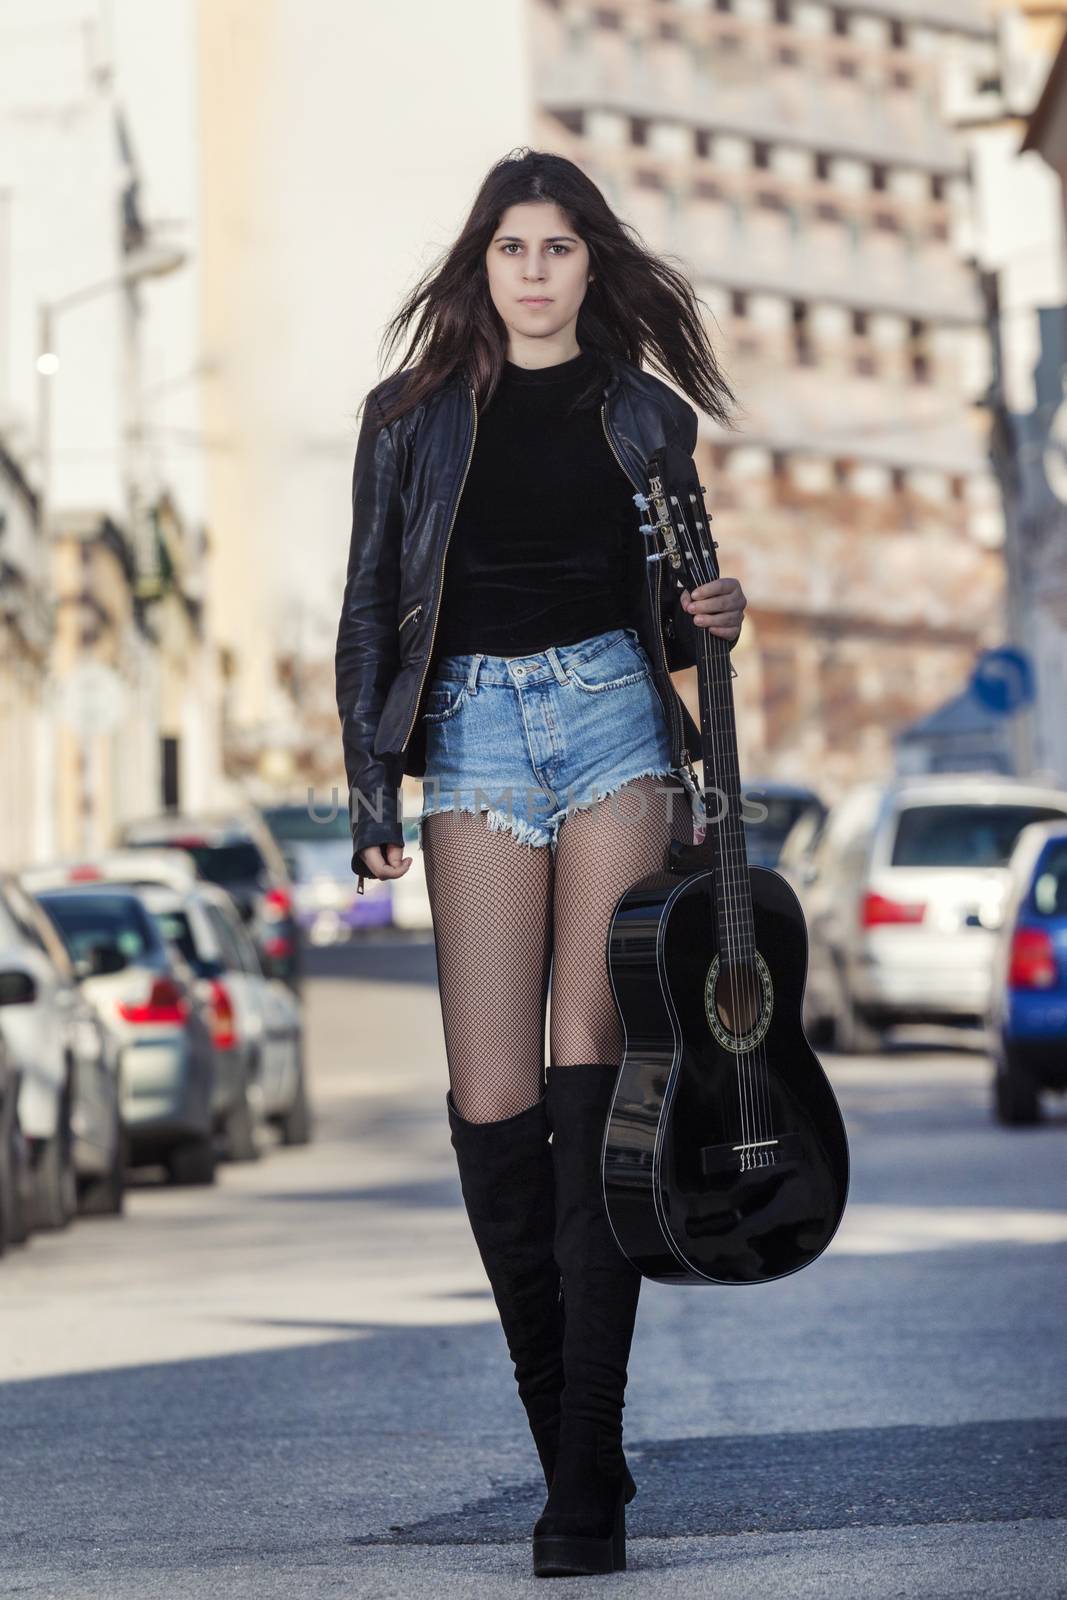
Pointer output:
538, 273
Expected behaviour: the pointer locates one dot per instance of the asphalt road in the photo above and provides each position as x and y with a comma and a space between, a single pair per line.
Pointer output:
294, 1383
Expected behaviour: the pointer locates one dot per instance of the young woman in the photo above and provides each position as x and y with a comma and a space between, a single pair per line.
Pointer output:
527, 681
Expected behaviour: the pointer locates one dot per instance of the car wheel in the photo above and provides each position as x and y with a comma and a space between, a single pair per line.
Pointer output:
1016, 1099
106, 1196
55, 1189
239, 1131
193, 1162
20, 1209
295, 1124
852, 1034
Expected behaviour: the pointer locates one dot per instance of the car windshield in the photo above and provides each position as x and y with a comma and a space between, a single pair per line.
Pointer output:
237, 862
174, 926
1050, 882
307, 824
782, 811
962, 835
88, 919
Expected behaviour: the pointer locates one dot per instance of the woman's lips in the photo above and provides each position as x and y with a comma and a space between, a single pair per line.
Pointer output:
536, 300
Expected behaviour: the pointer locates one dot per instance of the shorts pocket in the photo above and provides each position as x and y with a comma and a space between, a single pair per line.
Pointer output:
614, 668
444, 701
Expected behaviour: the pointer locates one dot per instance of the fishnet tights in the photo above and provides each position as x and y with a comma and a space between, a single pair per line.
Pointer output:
514, 928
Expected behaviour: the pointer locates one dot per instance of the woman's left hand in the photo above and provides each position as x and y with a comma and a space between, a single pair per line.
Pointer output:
718, 606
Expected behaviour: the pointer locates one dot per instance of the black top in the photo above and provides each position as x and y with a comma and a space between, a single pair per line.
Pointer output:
545, 525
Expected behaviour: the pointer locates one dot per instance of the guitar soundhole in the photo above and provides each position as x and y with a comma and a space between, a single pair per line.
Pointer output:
738, 1001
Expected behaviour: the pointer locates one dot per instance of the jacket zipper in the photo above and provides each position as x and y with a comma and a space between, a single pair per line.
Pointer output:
441, 569
405, 620
673, 709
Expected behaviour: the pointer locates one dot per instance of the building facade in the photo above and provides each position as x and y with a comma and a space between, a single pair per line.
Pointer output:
796, 158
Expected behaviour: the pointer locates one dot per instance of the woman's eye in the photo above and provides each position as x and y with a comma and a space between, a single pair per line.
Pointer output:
565, 248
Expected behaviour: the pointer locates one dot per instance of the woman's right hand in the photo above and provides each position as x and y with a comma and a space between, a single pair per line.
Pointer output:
393, 864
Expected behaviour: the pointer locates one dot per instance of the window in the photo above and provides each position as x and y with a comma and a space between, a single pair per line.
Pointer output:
962, 835
220, 927
1049, 897
98, 917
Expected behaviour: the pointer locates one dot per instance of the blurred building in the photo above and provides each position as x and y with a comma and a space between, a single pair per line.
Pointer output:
798, 159
1026, 233
120, 710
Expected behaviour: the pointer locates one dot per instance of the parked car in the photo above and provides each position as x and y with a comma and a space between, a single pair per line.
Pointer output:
902, 889
258, 1027
783, 803
145, 995
411, 899
165, 879
1028, 1002
16, 1177
69, 1106
237, 851
318, 853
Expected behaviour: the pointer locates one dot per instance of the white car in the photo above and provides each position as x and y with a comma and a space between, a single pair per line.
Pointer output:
69, 1107
258, 1020
161, 1028
903, 889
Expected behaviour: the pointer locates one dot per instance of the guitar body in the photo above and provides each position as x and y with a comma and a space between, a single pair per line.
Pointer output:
720, 1164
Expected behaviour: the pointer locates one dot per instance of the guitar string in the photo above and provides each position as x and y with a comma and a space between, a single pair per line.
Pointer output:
755, 1057
699, 562
720, 708
724, 705
731, 896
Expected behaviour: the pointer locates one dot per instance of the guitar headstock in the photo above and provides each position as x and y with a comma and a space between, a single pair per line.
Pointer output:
676, 530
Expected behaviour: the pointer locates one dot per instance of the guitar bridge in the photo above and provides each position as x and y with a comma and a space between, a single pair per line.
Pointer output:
754, 1155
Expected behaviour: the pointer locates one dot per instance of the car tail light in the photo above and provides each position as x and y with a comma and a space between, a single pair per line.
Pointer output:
877, 909
87, 873
277, 904
1033, 960
223, 1031
165, 1003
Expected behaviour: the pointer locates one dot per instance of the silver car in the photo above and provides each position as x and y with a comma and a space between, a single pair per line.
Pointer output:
902, 889
145, 996
259, 1026
69, 1091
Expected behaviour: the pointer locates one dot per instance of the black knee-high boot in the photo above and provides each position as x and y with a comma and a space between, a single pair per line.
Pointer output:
508, 1184
582, 1527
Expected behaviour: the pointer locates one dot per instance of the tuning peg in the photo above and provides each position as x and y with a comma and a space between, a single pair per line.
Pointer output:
641, 501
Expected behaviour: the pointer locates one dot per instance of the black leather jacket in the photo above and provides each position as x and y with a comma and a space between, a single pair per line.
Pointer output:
406, 484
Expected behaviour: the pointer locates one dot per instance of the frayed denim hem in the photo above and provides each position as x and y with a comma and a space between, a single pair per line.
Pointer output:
530, 833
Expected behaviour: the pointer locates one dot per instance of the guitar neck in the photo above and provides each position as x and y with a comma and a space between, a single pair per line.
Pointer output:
722, 788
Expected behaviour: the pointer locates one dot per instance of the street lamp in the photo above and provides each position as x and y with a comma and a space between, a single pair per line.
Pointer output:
148, 262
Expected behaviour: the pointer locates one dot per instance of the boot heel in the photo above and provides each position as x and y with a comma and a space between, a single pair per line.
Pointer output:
618, 1537
566, 1555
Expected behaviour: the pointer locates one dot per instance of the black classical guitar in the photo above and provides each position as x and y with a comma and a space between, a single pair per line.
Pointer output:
725, 1158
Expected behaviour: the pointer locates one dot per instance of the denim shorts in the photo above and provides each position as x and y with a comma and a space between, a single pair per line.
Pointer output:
528, 739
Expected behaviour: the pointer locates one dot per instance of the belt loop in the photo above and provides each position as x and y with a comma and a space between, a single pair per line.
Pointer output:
557, 666
472, 676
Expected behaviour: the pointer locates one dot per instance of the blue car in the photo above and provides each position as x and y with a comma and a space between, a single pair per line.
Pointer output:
1028, 1008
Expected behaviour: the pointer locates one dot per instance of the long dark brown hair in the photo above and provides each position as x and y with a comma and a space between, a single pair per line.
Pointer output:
638, 307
